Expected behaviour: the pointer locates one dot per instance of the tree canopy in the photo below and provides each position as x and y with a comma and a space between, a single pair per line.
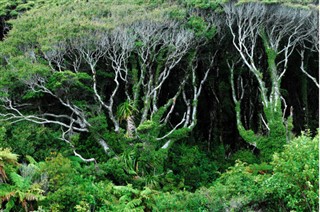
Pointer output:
158, 105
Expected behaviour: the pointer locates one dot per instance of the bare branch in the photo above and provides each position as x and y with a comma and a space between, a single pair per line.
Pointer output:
197, 90
104, 145
265, 123
285, 108
244, 22
18, 116
166, 145
68, 133
302, 68
174, 129
56, 55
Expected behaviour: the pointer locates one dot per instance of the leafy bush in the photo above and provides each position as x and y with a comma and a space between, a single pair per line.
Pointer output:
192, 166
288, 182
245, 156
238, 189
180, 201
31, 139
295, 179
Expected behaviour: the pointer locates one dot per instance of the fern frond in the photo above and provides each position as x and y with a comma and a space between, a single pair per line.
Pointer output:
19, 181
126, 189
33, 197
146, 193
7, 156
31, 160
6, 192
3, 175
134, 203
9, 205
124, 199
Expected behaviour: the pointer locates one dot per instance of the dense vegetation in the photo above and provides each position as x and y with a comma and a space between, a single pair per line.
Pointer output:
135, 105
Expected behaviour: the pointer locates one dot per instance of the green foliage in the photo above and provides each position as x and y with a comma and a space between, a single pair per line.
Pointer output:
200, 27
146, 126
276, 138
114, 170
289, 182
23, 189
12, 8
137, 174
31, 139
238, 189
246, 156
7, 159
305, 4
129, 199
59, 171
179, 201
205, 4
78, 20
67, 82
192, 166
126, 110
140, 165
67, 189
295, 178
7, 156
179, 134
197, 24
270, 143
261, 168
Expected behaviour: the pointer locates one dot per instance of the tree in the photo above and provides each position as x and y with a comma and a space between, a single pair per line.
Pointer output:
279, 29
103, 66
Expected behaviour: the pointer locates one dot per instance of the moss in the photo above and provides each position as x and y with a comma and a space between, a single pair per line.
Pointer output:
179, 134
158, 115
145, 126
270, 142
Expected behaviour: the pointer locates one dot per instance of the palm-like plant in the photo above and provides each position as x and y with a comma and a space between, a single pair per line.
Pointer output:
126, 111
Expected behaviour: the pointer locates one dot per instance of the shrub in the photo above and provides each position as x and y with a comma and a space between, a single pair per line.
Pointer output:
295, 178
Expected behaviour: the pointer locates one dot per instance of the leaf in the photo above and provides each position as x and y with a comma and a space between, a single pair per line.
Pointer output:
31, 160
19, 181
9, 205
8, 156
134, 203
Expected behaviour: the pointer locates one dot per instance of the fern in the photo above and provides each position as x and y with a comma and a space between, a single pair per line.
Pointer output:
7, 156
19, 181
134, 203
5, 192
31, 160
9, 205
125, 189
125, 198
146, 193
29, 171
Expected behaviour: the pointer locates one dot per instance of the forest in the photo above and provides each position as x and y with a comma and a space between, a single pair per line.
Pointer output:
159, 105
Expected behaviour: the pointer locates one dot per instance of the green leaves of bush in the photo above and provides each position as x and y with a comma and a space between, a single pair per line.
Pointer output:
295, 178
290, 181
